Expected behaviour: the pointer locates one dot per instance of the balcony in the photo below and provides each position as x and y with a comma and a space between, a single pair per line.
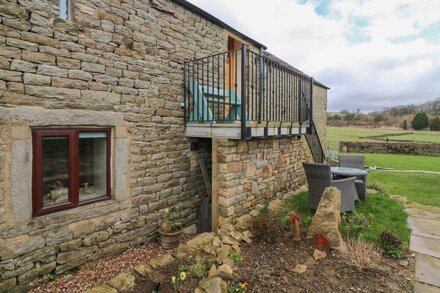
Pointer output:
241, 94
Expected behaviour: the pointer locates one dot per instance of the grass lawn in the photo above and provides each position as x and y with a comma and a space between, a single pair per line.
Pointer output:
387, 214
417, 187
401, 162
337, 134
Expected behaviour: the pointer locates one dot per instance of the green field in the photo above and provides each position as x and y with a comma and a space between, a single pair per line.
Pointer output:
417, 187
337, 134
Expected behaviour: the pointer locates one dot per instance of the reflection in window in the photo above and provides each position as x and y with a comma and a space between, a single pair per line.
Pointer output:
92, 165
55, 170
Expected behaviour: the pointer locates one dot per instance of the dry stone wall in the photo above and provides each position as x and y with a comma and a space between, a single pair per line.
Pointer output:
252, 172
406, 148
118, 60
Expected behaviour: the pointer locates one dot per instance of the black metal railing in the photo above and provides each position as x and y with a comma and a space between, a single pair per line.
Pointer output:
315, 145
247, 87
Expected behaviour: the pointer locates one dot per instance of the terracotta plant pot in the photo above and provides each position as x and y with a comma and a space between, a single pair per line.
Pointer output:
169, 240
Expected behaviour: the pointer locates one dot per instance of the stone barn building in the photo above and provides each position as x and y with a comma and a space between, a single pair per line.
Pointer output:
106, 109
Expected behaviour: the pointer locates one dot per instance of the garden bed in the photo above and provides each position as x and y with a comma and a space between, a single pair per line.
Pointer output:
267, 267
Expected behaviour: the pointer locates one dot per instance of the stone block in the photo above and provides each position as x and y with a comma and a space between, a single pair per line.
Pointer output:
21, 44
82, 228
80, 74
93, 67
23, 66
100, 97
69, 83
10, 75
39, 39
54, 238
7, 285
37, 57
68, 63
10, 52
36, 272
96, 237
51, 70
36, 79
21, 245
53, 92
20, 132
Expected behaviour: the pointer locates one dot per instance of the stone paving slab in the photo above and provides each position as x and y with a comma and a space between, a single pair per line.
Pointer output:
427, 226
424, 288
428, 269
425, 245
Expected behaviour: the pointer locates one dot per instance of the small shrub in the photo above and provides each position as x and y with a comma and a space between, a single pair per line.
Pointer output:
354, 223
391, 244
198, 270
376, 186
306, 221
267, 226
420, 121
434, 124
236, 287
236, 257
361, 254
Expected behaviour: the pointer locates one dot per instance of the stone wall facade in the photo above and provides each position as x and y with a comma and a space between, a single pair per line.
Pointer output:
251, 172
406, 148
117, 64
320, 113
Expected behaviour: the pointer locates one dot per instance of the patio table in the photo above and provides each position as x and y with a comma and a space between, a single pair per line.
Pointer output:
348, 172
360, 182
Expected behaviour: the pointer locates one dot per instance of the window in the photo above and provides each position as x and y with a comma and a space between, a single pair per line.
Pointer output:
65, 9
71, 167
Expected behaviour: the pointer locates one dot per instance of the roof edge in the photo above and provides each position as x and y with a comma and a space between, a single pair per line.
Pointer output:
197, 10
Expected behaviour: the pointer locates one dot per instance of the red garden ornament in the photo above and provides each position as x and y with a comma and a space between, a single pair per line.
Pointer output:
321, 243
295, 218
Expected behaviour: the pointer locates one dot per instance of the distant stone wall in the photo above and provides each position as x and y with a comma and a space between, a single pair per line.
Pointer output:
252, 172
407, 148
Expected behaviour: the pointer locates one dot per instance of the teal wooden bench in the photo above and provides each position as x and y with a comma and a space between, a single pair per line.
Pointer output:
203, 95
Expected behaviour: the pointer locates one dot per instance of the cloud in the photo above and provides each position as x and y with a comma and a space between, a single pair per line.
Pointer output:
372, 54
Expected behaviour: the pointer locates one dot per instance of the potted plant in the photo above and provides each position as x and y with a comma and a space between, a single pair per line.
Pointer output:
169, 232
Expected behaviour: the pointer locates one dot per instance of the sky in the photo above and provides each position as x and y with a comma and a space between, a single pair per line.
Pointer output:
373, 54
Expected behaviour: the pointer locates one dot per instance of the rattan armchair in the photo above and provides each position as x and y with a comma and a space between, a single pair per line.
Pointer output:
319, 177
361, 181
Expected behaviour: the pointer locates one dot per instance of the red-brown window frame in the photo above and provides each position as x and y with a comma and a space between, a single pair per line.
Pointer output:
37, 169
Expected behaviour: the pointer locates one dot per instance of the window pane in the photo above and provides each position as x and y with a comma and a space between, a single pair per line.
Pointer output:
64, 9
92, 165
55, 170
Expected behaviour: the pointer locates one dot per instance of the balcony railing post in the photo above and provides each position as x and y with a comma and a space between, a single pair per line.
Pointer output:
261, 85
244, 133
185, 92
300, 100
311, 101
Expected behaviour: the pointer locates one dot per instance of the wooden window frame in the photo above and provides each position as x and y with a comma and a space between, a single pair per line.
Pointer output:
37, 169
